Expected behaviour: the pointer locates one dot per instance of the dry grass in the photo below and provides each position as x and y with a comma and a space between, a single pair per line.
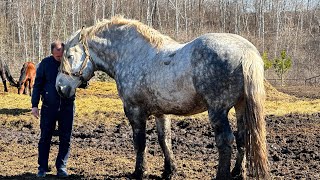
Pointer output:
280, 108
100, 102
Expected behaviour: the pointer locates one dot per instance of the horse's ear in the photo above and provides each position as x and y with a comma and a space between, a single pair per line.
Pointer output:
81, 33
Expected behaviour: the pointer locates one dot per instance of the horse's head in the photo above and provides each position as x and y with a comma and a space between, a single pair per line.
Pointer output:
23, 78
76, 67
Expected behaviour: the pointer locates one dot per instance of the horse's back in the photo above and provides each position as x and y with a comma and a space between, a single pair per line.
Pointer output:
217, 67
31, 65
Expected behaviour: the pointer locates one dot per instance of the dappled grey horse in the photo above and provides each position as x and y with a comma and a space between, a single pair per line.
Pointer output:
156, 75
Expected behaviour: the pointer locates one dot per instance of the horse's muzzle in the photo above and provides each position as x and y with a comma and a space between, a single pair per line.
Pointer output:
64, 91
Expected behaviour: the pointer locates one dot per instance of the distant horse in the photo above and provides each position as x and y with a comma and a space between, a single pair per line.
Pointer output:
156, 75
6, 75
27, 77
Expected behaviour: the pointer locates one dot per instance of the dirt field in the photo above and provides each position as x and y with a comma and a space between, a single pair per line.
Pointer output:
102, 151
312, 92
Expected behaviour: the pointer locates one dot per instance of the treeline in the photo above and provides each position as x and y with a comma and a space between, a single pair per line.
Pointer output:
28, 26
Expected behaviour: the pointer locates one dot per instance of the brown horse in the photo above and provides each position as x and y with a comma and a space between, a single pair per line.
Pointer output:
6, 75
27, 77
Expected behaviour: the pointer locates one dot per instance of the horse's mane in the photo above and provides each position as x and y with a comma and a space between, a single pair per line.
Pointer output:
151, 35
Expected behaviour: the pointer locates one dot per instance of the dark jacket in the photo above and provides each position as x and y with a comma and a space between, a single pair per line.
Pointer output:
44, 85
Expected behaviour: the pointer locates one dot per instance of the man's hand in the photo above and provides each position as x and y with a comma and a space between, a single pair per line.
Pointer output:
35, 112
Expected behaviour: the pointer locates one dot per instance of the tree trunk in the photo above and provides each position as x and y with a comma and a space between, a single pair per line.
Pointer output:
278, 21
177, 19
53, 18
149, 19
113, 8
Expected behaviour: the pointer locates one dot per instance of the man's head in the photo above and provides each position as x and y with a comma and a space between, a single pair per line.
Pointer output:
57, 48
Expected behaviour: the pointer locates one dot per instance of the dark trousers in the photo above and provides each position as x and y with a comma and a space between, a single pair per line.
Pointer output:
48, 119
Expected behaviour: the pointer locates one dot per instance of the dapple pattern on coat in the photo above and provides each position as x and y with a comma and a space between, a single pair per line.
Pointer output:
156, 75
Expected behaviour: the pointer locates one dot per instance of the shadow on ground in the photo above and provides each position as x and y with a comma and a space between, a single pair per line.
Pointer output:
29, 175
14, 111
129, 176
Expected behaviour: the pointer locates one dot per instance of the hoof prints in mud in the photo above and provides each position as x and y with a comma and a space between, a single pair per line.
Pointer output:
293, 144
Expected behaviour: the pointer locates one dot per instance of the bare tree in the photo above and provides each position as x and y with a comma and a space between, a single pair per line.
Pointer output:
149, 19
27, 26
53, 18
113, 7
260, 12
177, 18
22, 32
278, 22
95, 7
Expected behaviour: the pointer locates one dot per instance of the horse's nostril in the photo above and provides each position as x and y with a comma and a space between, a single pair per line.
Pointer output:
59, 91
64, 91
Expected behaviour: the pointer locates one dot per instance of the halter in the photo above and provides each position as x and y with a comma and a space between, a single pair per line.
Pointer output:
84, 63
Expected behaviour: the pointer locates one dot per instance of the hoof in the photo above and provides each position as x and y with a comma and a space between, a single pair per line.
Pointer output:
169, 174
224, 177
137, 175
237, 175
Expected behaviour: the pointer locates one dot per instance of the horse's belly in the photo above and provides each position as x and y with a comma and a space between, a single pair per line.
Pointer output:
173, 92
178, 103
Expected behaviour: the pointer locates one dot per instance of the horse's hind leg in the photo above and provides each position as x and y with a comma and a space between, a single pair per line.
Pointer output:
239, 170
224, 139
164, 136
137, 118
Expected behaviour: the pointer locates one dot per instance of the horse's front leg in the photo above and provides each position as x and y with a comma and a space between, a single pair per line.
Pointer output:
21, 88
164, 136
224, 139
137, 117
31, 86
5, 85
4, 81
26, 86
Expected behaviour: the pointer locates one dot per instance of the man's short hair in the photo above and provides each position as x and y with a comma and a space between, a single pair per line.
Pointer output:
55, 44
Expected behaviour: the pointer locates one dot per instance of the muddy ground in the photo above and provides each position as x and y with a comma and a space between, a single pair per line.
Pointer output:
101, 151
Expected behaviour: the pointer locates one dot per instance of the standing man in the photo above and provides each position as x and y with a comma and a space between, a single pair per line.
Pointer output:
54, 108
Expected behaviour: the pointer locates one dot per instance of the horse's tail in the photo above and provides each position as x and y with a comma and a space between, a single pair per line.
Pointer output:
8, 75
255, 136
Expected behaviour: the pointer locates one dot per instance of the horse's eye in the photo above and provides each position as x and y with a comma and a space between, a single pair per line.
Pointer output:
70, 56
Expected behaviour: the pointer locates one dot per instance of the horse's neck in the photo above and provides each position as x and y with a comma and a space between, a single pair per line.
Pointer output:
130, 44
118, 47
104, 61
